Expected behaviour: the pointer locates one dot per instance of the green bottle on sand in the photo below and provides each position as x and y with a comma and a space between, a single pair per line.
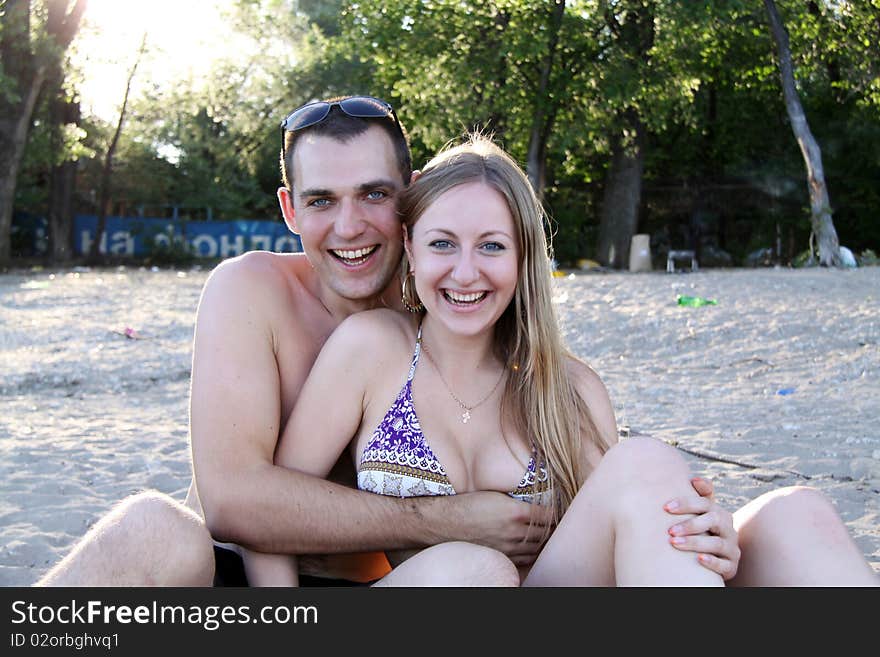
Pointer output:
695, 302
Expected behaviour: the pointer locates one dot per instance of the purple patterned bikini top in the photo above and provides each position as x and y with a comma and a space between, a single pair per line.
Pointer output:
398, 461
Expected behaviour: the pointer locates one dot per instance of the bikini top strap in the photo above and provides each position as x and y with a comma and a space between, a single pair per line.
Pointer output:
415, 359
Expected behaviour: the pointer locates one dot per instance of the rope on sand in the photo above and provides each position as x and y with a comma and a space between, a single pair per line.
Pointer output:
625, 432
724, 459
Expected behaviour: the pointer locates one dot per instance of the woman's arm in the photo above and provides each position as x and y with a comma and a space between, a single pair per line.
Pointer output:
595, 395
322, 423
331, 403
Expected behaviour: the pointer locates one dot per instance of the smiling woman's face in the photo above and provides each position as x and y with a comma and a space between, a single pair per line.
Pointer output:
464, 252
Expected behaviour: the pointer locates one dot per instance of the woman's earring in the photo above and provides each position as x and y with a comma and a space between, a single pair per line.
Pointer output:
409, 295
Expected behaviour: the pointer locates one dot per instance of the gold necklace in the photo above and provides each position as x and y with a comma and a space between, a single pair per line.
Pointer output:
466, 415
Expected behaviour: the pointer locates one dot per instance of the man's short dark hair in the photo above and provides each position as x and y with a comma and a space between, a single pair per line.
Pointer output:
340, 126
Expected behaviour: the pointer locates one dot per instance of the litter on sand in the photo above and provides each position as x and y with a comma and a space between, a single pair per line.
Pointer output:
694, 302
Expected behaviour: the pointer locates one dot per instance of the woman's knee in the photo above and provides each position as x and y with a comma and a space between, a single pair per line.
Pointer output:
458, 563
795, 537
643, 461
801, 505
636, 476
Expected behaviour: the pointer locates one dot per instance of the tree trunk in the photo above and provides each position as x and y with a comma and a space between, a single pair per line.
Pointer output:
106, 173
62, 183
496, 78
536, 160
820, 205
62, 178
27, 71
14, 126
619, 216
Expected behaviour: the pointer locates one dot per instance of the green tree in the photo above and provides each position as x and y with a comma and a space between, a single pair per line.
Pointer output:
33, 39
570, 88
505, 67
837, 50
820, 205
632, 29
106, 180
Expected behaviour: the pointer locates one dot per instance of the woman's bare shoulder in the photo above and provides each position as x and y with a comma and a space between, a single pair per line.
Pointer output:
592, 390
375, 332
585, 378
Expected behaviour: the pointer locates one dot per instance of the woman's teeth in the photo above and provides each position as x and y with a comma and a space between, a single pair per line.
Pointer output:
463, 299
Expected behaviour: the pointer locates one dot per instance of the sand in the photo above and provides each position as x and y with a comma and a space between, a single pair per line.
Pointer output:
777, 385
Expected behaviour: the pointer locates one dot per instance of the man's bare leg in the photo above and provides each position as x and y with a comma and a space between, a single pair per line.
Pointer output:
146, 540
794, 537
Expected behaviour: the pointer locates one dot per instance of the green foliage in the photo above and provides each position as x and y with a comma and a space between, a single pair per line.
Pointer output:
173, 251
721, 164
48, 145
8, 91
868, 258
804, 259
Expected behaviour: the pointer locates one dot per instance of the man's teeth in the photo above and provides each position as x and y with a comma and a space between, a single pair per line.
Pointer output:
354, 254
457, 297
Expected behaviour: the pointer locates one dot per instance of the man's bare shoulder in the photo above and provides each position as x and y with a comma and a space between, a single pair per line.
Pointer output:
276, 286
262, 270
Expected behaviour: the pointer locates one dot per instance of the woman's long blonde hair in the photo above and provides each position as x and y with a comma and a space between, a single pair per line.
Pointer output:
540, 396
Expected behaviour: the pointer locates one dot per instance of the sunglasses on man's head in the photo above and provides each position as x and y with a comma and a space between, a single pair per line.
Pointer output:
362, 107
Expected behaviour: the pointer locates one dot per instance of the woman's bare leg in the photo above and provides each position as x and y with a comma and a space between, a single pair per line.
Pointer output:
615, 531
454, 564
794, 537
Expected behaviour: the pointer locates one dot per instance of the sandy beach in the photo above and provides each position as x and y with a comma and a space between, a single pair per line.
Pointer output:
776, 385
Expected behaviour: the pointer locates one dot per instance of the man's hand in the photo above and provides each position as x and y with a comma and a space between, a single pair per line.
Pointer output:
498, 521
710, 533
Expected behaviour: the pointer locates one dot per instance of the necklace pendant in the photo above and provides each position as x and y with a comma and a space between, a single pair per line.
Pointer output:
465, 417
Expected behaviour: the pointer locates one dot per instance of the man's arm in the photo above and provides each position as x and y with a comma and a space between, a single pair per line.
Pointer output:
235, 420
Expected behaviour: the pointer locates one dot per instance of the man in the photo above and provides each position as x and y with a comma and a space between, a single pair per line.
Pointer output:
261, 321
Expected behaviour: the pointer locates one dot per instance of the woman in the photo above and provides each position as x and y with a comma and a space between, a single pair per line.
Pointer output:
474, 390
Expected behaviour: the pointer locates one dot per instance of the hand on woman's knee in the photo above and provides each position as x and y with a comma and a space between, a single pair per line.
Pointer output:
616, 528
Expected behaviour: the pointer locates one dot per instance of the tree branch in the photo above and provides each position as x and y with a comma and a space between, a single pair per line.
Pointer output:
60, 24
